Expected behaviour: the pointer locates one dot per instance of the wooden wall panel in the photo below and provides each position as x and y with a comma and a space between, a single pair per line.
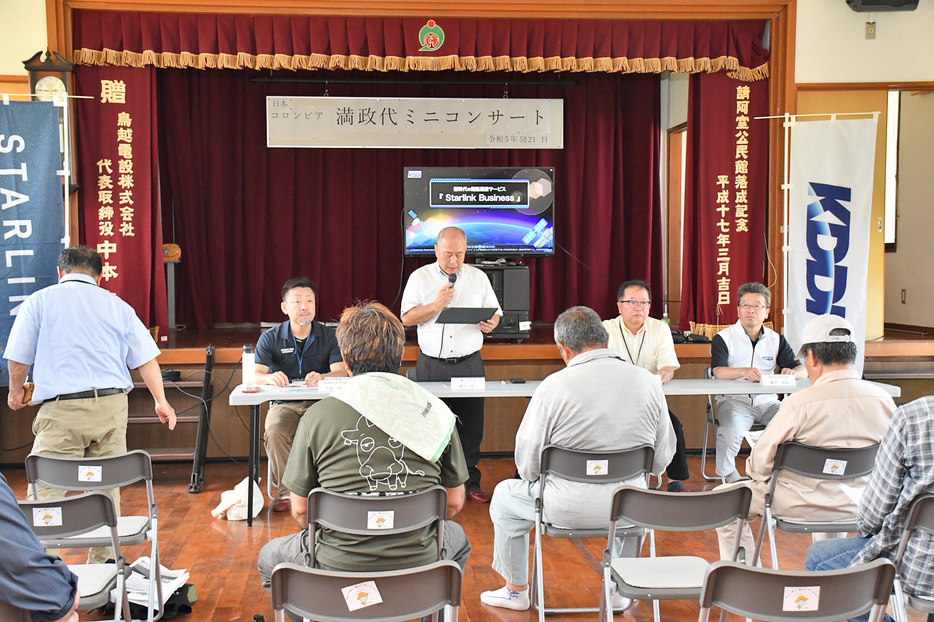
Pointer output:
14, 85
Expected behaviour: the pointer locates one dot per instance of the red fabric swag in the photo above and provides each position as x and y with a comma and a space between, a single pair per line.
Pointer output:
385, 44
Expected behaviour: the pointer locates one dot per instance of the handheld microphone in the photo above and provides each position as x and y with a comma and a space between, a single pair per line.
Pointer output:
452, 278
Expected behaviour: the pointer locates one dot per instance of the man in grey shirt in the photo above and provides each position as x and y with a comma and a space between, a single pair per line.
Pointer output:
600, 403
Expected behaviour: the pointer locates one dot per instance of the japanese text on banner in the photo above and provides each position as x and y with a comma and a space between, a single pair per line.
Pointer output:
739, 214
439, 123
115, 210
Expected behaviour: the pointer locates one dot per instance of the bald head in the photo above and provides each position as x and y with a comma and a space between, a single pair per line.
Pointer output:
452, 234
451, 249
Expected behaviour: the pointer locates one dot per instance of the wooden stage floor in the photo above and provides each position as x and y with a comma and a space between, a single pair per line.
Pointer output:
221, 555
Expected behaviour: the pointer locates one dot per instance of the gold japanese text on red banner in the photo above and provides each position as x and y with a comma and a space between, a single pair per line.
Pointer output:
736, 210
115, 183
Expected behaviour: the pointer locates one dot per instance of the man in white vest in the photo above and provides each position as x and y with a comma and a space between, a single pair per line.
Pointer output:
746, 351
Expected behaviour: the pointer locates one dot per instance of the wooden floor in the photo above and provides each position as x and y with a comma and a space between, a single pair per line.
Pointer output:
221, 555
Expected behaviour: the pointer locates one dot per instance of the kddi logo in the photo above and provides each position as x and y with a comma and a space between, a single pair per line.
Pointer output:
828, 242
431, 37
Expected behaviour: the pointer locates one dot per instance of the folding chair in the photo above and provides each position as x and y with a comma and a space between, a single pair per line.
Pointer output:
710, 423
357, 514
589, 467
710, 429
817, 463
920, 519
787, 596
56, 522
388, 596
677, 576
101, 473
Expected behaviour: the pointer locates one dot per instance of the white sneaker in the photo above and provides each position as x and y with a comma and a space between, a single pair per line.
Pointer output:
506, 598
733, 477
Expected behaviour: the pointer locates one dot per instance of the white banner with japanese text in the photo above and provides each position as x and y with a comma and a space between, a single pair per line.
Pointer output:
829, 218
414, 123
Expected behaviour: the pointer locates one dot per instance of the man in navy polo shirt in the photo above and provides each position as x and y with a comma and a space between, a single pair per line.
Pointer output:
300, 350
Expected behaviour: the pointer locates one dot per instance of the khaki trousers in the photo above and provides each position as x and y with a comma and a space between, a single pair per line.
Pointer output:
726, 535
281, 424
89, 427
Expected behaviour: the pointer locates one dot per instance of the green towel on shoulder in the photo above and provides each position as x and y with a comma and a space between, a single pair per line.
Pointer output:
403, 410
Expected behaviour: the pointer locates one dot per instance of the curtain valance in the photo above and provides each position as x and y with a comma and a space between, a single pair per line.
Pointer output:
295, 43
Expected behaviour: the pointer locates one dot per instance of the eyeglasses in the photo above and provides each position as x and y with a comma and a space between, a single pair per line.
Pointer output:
756, 307
636, 303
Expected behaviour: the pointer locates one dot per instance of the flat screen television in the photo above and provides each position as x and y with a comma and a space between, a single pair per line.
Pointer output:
505, 212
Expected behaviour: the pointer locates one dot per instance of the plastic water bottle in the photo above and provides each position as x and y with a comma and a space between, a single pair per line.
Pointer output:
249, 366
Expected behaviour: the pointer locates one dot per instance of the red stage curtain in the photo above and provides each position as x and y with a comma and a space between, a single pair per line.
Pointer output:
725, 196
248, 218
117, 136
382, 44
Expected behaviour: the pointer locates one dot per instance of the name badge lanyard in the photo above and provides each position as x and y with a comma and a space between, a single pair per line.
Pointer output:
300, 357
634, 361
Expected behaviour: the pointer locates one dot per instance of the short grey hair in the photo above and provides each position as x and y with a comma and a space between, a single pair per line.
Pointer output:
754, 288
580, 328
833, 353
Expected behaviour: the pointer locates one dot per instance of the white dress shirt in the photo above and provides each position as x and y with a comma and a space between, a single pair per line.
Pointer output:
651, 348
472, 289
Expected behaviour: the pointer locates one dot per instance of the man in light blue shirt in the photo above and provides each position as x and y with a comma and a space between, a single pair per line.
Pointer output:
81, 342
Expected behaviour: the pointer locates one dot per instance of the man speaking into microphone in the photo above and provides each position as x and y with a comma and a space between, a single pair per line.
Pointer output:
452, 350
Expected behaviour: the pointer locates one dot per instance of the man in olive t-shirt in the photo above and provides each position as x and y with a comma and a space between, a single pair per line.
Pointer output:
380, 434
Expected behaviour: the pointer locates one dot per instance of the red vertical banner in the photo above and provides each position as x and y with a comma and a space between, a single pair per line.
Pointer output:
725, 198
116, 171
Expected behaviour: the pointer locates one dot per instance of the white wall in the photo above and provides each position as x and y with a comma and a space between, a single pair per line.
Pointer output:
678, 99
908, 267
22, 34
830, 44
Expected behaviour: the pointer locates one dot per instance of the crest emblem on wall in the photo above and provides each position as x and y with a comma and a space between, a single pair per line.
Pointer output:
431, 36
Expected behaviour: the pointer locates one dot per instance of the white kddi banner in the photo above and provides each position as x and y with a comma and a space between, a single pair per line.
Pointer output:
829, 219
416, 123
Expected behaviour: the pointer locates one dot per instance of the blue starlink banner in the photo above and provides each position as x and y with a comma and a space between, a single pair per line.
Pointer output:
31, 207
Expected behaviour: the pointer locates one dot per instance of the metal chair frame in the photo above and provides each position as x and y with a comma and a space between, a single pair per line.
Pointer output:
920, 519
405, 594
811, 462
762, 593
572, 465
667, 511
710, 424
55, 521
62, 473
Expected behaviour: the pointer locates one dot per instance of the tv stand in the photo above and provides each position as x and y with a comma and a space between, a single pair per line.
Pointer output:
511, 285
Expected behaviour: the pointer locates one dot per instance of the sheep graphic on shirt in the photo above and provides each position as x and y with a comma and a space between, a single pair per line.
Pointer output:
379, 464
